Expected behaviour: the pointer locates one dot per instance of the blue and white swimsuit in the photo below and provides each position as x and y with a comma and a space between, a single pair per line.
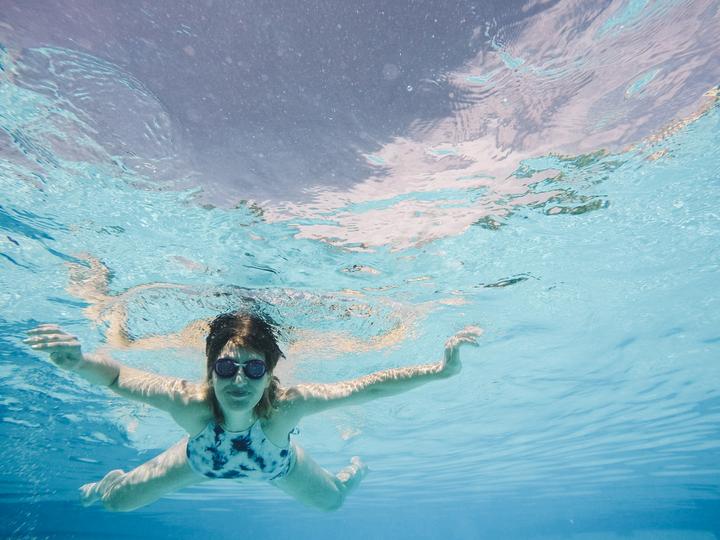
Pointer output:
217, 453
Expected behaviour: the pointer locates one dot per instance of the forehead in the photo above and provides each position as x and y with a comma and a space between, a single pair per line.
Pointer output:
240, 353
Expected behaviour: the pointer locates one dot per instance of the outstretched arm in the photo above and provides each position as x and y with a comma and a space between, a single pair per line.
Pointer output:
170, 394
308, 399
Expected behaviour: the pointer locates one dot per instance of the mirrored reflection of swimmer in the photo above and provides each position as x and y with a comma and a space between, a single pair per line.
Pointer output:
239, 420
90, 283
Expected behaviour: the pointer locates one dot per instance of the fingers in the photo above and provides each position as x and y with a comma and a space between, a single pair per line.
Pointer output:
64, 349
54, 345
48, 330
466, 336
47, 338
60, 341
467, 341
50, 336
44, 329
471, 332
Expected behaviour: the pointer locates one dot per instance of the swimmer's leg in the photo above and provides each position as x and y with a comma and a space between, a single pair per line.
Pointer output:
122, 492
312, 485
116, 334
89, 283
191, 337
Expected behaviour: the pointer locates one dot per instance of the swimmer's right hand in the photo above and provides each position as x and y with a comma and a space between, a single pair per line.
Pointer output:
64, 348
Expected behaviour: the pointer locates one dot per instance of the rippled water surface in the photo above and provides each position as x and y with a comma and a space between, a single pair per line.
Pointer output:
376, 176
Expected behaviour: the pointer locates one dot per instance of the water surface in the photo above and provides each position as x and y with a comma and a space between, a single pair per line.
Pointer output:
376, 177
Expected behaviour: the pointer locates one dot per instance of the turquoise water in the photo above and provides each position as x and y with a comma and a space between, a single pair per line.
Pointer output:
581, 232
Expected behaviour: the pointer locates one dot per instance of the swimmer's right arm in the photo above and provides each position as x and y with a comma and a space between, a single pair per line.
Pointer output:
167, 393
65, 352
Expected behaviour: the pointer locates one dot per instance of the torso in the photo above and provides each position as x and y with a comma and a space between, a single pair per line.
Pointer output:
194, 418
218, 453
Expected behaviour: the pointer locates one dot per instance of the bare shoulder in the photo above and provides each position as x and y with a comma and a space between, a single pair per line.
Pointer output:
194, 411
286, 399
296, 396
294, 402
287, 407
301, 392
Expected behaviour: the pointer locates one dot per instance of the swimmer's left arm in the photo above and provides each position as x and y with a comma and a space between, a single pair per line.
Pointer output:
313, 398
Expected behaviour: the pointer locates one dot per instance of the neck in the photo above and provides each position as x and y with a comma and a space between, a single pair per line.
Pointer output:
238, 420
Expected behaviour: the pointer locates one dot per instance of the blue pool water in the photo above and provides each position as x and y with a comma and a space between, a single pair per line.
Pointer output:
376, 177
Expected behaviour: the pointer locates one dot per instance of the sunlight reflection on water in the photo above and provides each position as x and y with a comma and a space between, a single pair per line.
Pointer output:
560, 193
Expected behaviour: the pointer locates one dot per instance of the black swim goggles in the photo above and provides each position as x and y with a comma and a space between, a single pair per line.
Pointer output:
227, 368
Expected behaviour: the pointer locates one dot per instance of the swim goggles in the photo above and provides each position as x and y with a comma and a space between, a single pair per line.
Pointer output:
227, 367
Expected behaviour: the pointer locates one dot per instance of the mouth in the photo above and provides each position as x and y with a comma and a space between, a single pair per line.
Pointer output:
237, 392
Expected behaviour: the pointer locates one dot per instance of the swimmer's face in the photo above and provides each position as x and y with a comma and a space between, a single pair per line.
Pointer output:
239, 392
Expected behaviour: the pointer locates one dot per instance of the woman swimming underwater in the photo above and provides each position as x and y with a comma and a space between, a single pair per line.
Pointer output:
240, 419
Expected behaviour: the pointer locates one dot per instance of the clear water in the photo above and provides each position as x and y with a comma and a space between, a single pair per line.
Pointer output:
377, 177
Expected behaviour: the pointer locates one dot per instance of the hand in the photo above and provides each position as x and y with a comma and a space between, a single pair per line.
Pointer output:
451, 364
64, 348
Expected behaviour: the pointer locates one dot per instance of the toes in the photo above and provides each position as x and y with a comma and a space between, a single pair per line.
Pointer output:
111, 477
88, 494
351, 475
358, 464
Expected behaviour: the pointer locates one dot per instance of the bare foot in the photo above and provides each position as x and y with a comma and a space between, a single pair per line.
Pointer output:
89, 493
351, 475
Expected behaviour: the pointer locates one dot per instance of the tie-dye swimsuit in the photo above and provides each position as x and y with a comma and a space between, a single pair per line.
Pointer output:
217, 453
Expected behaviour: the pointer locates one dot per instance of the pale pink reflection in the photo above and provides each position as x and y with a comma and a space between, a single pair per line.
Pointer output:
574, 80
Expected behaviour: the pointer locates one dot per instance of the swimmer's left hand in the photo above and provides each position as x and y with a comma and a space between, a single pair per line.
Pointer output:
451, 364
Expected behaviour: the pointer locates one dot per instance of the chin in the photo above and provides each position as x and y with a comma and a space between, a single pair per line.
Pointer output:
244, 402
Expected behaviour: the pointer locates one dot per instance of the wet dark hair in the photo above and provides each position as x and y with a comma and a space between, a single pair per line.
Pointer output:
251, 331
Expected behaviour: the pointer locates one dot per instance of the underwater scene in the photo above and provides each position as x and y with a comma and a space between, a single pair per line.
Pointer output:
524, 195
